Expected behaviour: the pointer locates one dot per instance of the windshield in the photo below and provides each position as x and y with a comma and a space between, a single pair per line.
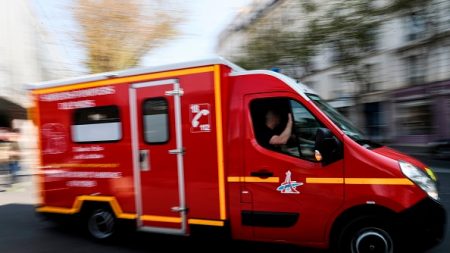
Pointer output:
348, 128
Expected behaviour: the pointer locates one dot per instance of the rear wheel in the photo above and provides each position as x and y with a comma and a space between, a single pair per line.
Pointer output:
101, 224
368, 235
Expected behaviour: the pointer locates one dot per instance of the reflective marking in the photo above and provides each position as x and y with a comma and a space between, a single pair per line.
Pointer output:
379, 181
79, 201
61, 210
121, 215
81, 165
362, 181
253, 179
161, 218
219, 136
206, 222
324, 180
125, 80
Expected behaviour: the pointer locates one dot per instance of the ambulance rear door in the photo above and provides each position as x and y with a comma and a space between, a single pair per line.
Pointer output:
158, 156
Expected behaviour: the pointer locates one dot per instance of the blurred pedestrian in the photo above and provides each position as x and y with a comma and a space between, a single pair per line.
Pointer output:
14, 155
4, 157
4, 154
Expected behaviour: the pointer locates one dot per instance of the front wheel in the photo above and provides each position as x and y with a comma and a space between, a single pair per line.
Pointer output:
367, 235
101, 224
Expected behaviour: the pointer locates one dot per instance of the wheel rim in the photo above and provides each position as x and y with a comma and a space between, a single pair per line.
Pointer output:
101, 224
373, 241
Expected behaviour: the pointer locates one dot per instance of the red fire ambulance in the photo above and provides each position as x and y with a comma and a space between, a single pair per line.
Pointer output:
183, 147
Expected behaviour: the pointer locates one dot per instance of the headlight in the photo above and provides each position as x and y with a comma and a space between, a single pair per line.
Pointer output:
420, 178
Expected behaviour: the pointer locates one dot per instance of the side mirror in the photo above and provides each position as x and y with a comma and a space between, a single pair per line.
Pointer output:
328, 148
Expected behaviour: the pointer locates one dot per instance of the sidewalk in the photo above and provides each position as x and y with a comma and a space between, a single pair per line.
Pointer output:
22, 192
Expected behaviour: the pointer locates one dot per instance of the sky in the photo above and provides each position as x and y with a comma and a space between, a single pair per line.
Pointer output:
207, 18
196, 39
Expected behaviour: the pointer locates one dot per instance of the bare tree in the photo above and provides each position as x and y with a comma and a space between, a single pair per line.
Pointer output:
116, 34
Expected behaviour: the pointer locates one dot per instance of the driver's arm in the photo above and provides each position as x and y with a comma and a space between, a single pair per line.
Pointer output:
285, 135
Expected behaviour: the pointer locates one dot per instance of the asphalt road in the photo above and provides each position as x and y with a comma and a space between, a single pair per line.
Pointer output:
22, 231
445, 199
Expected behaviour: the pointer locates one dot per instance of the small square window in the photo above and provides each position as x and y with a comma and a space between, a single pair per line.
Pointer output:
156, 120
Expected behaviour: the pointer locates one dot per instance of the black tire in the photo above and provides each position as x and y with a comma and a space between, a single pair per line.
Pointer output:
101, 224
368, 234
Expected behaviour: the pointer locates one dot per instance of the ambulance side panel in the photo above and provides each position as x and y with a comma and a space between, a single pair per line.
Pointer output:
201, 170
85, 145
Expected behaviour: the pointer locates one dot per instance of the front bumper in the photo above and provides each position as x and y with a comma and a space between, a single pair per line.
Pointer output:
423, 225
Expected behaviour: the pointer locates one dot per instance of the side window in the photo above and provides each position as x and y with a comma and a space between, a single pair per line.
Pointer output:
156, 120
96, 124
270, 118
305, 129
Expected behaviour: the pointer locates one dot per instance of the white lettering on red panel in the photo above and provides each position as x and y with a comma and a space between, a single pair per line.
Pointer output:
81, 183
85, 155
99, 91
53, 138
76, 104
83, 174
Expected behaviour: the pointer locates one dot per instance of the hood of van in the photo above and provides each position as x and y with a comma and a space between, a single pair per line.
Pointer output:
398, 156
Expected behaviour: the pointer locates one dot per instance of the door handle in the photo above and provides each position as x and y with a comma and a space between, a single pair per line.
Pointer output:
263, 173
142, 156
144, 160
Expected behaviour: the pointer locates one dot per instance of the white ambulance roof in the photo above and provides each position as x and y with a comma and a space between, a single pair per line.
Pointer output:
133, 72
299, 87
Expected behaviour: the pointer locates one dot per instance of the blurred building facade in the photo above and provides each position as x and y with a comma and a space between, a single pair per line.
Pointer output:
27, 55
407, 97
18, 52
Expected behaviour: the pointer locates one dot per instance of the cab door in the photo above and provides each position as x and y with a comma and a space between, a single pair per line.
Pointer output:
292, 195
158, 156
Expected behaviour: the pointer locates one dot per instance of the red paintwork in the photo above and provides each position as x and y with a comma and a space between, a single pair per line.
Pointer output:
318, 204
159, 185
56, 192
365, 163
398, 156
